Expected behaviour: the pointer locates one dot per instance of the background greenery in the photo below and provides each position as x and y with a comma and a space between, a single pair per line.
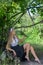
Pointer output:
19, 14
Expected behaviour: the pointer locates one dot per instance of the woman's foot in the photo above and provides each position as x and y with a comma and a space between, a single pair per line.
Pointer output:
27, 58
37, 60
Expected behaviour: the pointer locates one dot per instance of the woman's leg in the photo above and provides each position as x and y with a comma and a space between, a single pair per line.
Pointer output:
34, 54
27, 49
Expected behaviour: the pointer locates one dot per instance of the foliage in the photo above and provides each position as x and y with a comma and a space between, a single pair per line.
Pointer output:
13, 13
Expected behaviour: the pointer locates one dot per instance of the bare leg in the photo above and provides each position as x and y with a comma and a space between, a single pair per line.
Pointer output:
34, 54
27, 49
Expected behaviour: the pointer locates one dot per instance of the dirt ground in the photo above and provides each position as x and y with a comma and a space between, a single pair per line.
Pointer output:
31, 63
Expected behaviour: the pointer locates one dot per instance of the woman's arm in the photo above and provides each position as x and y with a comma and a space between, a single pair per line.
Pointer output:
21, 40
9, 42
8, 46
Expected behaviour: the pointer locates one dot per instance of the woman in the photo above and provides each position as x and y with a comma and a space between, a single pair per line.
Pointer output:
13, 46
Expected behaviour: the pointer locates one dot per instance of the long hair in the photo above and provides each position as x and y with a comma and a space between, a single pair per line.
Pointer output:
10, 37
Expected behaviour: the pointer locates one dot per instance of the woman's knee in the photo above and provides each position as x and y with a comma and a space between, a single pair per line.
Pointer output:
31, 48
27, 44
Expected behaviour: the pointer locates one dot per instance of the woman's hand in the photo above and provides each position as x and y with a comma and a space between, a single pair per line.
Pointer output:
14, 53
21, 40
24, 37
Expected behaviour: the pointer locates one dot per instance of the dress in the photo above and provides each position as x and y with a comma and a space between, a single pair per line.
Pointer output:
18, 49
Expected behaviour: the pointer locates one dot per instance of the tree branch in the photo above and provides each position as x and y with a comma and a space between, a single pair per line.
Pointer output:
34, 7
29, 26
14, 15
30, 16
16, 21
31, 3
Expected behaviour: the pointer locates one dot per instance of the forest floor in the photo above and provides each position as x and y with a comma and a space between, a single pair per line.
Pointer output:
31, 63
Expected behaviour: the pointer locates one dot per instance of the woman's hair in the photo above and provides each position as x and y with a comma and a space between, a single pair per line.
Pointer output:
11, 29
10, 35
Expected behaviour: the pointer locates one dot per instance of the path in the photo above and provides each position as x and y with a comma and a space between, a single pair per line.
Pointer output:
31, 63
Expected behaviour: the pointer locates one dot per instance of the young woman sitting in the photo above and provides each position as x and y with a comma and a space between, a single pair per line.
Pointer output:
13, 45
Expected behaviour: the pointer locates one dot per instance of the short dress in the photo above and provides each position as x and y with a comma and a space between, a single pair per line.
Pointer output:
18, 49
